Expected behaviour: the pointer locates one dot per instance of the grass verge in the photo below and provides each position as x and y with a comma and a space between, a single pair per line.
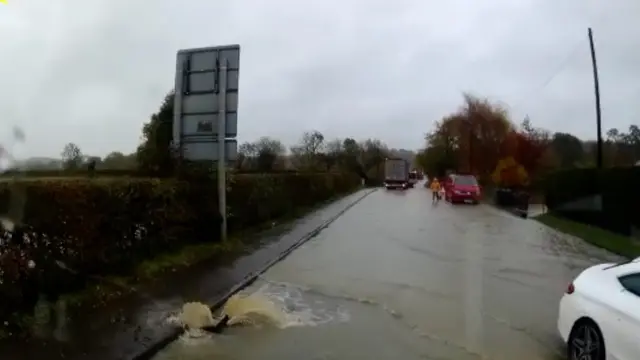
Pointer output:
622, 245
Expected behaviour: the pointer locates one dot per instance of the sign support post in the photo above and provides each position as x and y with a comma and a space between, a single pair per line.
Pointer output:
222, 130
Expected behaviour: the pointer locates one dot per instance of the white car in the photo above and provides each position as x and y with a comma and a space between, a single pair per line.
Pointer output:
599, 316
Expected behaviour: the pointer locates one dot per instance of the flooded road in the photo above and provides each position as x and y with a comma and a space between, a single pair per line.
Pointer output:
397, 277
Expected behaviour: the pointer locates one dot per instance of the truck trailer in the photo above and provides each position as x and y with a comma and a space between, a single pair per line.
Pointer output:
396, 173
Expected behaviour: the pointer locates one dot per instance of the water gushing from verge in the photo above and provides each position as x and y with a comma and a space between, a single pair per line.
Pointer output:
253, 310
276, 305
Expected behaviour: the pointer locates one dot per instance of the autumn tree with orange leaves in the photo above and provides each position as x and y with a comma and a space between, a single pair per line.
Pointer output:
477, 137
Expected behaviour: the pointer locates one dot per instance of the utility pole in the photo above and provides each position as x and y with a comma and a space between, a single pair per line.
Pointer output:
596, 85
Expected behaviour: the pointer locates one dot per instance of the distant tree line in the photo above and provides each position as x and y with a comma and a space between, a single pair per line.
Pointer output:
313, 152
72, 158
475, 138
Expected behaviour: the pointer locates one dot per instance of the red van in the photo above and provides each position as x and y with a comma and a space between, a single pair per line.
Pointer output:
462, 189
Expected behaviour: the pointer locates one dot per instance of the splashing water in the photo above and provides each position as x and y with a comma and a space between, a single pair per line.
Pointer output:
253, 310
242, 310
303, 306
195, 315
277, 305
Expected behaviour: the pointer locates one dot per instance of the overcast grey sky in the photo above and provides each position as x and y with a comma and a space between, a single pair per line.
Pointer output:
92, 71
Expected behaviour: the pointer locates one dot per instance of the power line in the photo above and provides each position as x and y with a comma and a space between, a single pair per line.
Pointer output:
561, 66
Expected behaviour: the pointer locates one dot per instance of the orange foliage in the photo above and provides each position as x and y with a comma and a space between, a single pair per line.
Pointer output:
526, 148
509, 173
477, 136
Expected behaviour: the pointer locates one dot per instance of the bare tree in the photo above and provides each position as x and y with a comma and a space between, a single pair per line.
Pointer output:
373, 155
72, 156
268, 152
333, 152
261, 155
306, 155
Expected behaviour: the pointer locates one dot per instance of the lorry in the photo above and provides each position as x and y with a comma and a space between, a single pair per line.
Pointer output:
396, 173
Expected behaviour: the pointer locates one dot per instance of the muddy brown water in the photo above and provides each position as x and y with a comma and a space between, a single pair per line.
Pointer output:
126, 327
397, 277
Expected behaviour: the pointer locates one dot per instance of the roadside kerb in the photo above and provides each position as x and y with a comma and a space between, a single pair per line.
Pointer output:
151, 351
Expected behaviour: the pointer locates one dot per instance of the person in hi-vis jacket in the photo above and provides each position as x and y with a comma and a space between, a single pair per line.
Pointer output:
435, 189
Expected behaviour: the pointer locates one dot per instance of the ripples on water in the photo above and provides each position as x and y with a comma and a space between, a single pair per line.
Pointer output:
272, 310
276, 305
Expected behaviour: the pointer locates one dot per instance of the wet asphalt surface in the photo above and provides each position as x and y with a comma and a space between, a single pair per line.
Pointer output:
397, 277
127, 326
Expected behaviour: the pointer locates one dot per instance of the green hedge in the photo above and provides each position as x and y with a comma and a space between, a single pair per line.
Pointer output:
617, 186
104, 227
81, 172
134, 173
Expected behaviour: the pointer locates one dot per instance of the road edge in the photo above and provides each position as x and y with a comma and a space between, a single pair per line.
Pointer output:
249, 279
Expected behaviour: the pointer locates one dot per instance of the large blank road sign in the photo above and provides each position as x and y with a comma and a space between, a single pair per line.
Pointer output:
197, 151
197, 107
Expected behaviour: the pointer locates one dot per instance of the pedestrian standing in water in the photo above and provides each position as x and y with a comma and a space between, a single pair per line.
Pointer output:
435, 190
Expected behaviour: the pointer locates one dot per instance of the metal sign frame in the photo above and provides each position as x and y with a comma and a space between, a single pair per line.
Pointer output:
205, 119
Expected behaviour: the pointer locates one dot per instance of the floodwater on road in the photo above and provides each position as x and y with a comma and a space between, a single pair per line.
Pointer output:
398, 277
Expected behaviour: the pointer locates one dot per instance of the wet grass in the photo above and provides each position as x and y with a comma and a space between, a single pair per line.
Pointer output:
104, 289
622, 245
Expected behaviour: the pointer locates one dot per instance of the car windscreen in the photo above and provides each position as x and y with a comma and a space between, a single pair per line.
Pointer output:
465, 181
413, 175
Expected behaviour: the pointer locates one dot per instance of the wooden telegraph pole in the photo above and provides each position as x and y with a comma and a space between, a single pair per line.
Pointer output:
596, 85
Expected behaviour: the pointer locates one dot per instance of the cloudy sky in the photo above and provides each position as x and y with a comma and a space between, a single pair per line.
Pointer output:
92, 71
